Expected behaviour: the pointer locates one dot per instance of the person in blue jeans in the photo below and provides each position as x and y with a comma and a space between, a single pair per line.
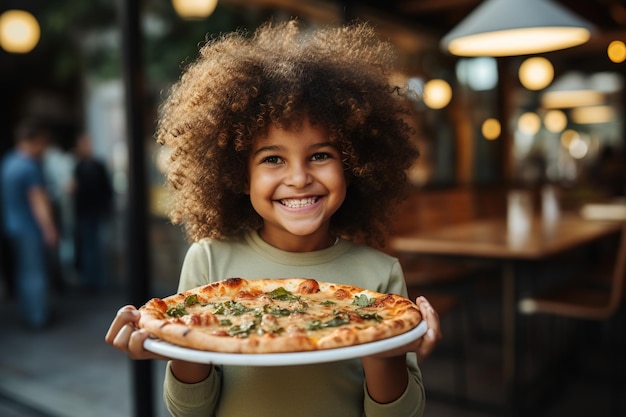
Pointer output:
28, 220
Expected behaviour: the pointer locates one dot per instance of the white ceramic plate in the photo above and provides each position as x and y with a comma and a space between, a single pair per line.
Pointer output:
282, 359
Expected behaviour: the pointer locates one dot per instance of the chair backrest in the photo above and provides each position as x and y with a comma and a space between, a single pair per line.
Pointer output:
619, 274
570, 303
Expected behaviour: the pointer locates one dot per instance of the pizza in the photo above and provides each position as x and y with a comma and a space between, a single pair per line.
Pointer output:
237, 315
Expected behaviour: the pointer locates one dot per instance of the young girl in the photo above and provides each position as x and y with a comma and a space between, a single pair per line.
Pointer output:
286, 149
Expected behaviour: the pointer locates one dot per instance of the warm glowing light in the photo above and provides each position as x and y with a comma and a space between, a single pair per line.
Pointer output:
19, 31
529, 123
523, 41
555, 121
593, 114
566, 99
516, 27
572, 89
536, 73
194, 9
569, 136
578, 148
616, 51
491, 129
437, 94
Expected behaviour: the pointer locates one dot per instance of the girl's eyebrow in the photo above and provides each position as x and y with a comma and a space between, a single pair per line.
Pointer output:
277, 148
265, 149
323, 145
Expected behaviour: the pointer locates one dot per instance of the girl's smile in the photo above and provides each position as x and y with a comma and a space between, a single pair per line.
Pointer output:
296, 183
299, 203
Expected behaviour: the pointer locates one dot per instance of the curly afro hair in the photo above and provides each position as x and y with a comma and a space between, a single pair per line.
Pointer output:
239, 85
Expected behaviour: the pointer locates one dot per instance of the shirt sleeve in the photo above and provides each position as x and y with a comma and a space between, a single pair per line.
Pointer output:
33, 177
192, 400
411, 403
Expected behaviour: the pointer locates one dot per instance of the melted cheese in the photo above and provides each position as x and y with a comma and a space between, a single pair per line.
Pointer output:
311, 314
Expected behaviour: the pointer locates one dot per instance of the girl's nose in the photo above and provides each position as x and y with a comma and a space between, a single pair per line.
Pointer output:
298, 176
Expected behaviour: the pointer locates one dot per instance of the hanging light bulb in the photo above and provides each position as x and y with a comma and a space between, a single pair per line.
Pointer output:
491, 129
19, 31
555, 121
194, 9
536, 73
437, 94
529, 123
616, 51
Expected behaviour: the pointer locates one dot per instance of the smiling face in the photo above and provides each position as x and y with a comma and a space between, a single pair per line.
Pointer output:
296, 183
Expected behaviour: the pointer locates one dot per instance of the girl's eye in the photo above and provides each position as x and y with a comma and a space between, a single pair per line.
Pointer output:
320, 156
271, 160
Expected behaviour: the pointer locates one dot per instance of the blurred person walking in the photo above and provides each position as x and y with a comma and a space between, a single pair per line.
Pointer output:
28, 220
93, 201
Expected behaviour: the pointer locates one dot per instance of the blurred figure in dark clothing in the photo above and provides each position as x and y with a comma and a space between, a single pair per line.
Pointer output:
28, 220
93, 198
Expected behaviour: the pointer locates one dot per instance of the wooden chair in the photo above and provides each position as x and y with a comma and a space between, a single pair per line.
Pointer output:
586, 299
598, 298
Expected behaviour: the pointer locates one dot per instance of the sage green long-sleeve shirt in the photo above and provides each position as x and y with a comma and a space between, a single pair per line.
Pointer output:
317, 390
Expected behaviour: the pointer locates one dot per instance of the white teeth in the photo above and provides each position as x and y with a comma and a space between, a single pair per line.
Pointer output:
298, 203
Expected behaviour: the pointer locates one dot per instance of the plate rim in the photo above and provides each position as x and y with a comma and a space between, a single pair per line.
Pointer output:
173, 351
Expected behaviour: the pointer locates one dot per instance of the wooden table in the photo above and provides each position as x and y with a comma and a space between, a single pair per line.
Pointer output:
491, 239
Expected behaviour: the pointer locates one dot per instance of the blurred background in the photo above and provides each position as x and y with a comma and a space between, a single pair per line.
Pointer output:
486, 122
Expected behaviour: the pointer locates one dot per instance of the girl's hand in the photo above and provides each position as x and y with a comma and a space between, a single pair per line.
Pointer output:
424, 345
124, 334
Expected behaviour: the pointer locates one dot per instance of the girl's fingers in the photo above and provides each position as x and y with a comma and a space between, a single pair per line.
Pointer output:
125, 315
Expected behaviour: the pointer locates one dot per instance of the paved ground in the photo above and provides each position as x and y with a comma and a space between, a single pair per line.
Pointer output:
67, 369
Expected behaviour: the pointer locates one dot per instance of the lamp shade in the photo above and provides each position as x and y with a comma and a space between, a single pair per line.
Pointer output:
516, 27
572, 89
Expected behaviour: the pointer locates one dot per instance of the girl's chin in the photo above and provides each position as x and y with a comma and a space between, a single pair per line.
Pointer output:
302, 231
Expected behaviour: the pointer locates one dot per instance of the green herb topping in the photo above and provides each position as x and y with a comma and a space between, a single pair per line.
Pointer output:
363, 301
191, 300
337, 321
177, 311
242, 330
282, 294
231, 307
369, 316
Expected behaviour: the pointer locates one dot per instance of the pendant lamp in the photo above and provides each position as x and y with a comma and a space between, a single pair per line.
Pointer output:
572, 89
516, 27
194, 9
